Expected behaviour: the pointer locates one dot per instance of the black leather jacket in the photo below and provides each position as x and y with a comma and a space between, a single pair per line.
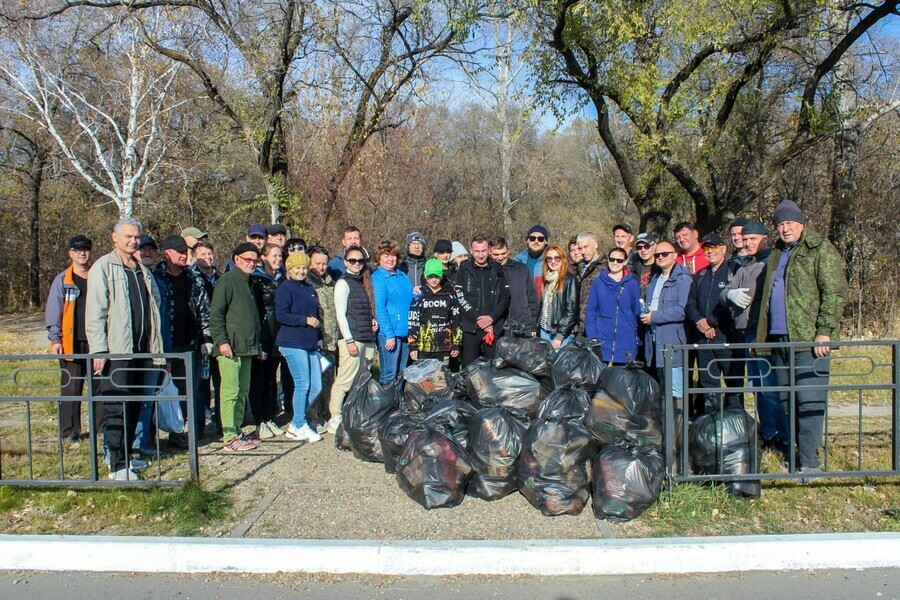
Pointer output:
565, 309
468, 293
264, 288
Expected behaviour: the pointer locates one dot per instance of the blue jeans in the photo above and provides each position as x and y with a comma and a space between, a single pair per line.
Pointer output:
546, 335
677, 381
772, 422
392, 361
307, 375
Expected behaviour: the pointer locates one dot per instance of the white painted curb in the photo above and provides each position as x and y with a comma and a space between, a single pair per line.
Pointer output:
552, 557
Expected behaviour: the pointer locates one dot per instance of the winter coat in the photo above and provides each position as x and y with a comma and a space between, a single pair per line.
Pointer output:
751, 276
393, 295
233, 317
264, 287
612, 316
565, 309
469, 295
524, 303
703, 303
198, 305
667, 321
414, 269
589, 272
815, 289
537, 272
434, 321
295, 302
325, 291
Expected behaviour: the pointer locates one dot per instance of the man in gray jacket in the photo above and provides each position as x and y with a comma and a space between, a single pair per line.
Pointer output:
122, 317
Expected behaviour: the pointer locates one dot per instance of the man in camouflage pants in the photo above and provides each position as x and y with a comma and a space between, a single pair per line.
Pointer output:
803, 299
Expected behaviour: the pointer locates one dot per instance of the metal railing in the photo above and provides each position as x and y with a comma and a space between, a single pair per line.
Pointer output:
879, 376
33, 380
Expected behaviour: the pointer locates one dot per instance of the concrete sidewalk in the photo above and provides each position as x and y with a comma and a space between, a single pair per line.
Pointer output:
530, 557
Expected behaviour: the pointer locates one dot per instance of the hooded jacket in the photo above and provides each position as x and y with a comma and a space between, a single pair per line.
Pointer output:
612, 314
667, 321
414, 268
392, 293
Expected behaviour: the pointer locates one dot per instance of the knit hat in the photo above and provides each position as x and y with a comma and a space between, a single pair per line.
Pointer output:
538, 229
434, 267
754, 228
443, 246
297, 258
245, 247
458, 250
788, 211
415, 236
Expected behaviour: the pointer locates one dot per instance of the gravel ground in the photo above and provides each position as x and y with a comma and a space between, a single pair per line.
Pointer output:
287, 490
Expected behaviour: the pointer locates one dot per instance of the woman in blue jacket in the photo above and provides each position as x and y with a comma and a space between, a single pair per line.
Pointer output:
297, 310
613, 311
393, 294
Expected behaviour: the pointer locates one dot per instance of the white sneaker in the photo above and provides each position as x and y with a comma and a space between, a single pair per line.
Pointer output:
139, 465
293, 433
332, 425
309, 435
124, 475
321, 428
275, 429
263, 432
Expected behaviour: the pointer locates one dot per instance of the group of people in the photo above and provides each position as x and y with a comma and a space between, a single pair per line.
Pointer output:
320, 319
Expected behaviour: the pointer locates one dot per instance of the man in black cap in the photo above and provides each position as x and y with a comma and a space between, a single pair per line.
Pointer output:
148, 251
443, 250
644, 266
184, 311
276, 233
713, 325
64, 318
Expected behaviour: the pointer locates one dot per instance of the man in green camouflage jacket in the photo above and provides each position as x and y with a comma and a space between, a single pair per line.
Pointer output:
803, 300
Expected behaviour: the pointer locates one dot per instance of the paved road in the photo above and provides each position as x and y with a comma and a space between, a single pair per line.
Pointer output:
880, 584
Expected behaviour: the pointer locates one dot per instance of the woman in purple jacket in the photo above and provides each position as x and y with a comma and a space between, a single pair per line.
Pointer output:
297, 309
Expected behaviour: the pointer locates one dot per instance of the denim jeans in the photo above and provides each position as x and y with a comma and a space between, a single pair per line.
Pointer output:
307, 375
546, 335
772, 422
677, 381
392, 361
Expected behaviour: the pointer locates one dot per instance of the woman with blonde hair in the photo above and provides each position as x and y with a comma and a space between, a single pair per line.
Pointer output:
559, 299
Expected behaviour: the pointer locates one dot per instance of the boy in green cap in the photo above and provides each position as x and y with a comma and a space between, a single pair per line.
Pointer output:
434, 328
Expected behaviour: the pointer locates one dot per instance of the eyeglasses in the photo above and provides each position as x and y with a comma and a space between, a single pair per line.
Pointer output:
617, 260
661, 254
247, 260
713, 247
355, 261
554, 259
536, 238
296, 248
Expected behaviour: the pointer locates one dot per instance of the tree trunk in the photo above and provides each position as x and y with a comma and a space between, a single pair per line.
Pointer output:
35, 181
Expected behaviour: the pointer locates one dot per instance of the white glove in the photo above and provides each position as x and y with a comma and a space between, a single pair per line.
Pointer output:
206, 349
740, 297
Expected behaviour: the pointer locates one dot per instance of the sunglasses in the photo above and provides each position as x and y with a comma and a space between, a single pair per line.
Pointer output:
554, 259
661, 254
318, 250
536, 238
296, 248
617, 260
355, 261
642, 247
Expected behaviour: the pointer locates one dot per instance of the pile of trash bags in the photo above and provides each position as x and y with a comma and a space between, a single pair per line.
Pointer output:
559, 427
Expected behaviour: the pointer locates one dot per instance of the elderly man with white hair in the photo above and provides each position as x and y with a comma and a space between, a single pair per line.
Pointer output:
592, 264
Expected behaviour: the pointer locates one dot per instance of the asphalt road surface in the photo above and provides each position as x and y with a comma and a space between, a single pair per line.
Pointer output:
875, 583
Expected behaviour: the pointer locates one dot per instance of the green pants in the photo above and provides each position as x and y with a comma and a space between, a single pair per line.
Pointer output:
233, 391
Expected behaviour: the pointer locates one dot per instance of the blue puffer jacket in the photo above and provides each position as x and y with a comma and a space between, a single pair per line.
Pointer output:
667, 321
613, 310
393, 295
295, 301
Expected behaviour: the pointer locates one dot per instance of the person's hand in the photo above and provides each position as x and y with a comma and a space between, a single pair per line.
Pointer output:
56, 348
374, 325
225, 350
484, 321
556, 344
390, 344
454, 353
206, 349
417, 290
703, 325
352, 349
740, 297
710, 333
645, 318
822, 351
414, 355
312, 322
263, 355
98, 364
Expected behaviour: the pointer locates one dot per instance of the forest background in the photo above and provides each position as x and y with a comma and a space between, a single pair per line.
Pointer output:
450, 117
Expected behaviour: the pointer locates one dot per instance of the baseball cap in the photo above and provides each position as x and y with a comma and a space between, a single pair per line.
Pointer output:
194, 233
712, 239
80, 242
174, 242
624, 227
443, 246
645, 239
146, 240
257, 229
434, 267
276, 228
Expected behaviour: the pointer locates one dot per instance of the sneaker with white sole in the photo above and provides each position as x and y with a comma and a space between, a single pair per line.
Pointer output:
124, 475
275, 429
139, 465
263, 432
322, 428
332, 425
293, 433
309, 435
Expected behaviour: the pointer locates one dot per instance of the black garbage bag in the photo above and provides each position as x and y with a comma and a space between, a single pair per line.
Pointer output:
721, 443
433, 469
495, 441
422, 379
613, 423
435, 397
633, 388
567, 402
627, 481
509, 387
577, 364
341, 439
365, 407
553, 466
451, 417
393, 432
532, 355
